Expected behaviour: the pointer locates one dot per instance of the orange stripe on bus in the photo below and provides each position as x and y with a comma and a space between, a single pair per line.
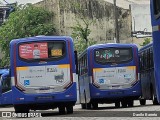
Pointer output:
131, 67
21, 68
64, 66
97, 69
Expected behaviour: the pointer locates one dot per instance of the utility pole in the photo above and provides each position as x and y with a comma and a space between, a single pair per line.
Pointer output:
116, 23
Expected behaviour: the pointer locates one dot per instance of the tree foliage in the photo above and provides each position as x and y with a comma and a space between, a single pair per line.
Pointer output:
146, 41
27, 20
80, 35
81, 30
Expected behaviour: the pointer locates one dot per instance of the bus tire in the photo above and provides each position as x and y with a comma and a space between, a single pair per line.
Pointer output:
143, 102
88, 105
69, 109
61, 110
21, 109
117, 104
130, 103
124, 104
155, 101
95, 105
83, 106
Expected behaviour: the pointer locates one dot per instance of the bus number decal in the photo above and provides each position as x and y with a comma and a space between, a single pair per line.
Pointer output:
56, 52
121, 70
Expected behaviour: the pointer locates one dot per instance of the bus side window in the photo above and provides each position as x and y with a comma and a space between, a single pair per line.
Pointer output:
80, 67
149, 63
148, 59
76, 61
141, 60
6, 84
152, 58
85, 65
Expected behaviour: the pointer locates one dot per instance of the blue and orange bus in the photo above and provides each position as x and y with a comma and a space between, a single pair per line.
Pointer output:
155, 20
108, 73
147, 74
43, 73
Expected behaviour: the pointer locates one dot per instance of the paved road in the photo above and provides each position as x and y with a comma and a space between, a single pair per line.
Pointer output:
105, 110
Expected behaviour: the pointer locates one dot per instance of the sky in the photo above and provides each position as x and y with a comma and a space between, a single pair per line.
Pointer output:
21, 1
120, 3
123, 2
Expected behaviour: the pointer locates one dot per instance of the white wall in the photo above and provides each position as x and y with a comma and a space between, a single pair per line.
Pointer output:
141, 17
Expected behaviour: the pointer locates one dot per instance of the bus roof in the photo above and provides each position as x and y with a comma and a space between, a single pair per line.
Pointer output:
146, 46
112, 45
106, 45
41, 37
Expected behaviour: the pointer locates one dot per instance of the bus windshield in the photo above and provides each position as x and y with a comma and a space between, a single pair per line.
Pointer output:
113, 55
42, 50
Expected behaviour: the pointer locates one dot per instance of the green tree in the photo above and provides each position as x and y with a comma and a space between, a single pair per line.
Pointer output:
81, 32
146, 41
27, 20
80, 35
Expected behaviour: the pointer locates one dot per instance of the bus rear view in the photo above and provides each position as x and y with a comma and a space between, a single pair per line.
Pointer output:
114, 74
43, 72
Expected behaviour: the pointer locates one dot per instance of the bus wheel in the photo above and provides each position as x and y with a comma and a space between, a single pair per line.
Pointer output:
88, 105
21, 109
61, 110
95, 105
117, 104
130, 103
143, 102
155, 101
69, 109
124, 104
83, 106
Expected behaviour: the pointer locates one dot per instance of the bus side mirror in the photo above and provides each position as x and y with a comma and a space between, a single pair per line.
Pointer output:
76, 61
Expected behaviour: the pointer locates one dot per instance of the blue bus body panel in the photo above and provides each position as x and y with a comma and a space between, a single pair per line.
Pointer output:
156, 49
7, 98
117, 93
69, 94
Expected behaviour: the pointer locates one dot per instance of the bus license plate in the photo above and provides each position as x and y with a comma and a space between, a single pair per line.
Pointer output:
44, 98
116, 93
43, 91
